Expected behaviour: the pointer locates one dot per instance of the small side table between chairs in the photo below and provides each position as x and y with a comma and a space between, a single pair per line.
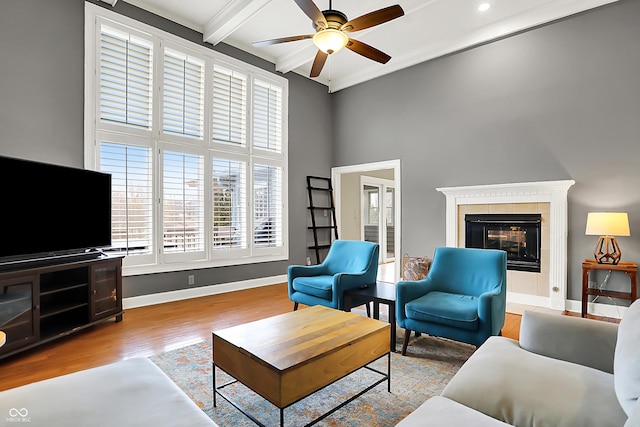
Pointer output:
380, 293
630, 268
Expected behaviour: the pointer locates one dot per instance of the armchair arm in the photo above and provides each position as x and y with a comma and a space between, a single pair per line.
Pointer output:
306, 270
573, 339
491, 311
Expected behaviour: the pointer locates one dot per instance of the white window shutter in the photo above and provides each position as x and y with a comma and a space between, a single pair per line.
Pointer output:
267, 206
126, 77
229, 106
131, 200
267, 116
182, 202
229, 204
183, 100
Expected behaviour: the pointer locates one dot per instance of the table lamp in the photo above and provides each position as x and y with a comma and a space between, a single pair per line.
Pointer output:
607, 225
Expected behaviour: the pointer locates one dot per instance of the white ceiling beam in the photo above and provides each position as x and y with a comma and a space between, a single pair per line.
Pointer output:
235, 14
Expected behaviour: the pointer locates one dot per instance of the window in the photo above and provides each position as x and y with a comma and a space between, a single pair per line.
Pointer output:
196, 143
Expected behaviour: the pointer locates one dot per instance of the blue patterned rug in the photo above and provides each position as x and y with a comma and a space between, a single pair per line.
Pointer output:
429, 365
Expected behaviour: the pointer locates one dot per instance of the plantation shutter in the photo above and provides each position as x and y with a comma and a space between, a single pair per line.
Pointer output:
267, 116
131, 196
183, 88
229, 204
229, 106
183, 202
125, 78
267, 205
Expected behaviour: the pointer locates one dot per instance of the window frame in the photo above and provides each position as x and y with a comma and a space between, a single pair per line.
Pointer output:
157, 140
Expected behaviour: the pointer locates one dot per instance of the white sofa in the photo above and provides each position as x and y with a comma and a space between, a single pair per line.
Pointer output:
131, 393
565, 371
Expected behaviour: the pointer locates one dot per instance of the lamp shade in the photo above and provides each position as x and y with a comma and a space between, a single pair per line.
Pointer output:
607, 224
330, 40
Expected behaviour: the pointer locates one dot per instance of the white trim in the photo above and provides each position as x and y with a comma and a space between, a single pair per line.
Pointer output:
552, 192
164, 297
336, 174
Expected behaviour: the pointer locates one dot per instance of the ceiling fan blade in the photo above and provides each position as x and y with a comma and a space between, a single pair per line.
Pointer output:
368, 51
282, 40
373, 18
318, 63
312, 11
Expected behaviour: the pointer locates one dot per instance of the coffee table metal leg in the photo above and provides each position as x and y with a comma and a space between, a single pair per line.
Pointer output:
389, 372
213, 373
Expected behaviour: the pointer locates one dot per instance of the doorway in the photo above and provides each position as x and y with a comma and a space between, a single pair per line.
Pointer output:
377, 225
354, 189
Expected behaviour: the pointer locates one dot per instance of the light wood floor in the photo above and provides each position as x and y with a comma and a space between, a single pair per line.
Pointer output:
152, 330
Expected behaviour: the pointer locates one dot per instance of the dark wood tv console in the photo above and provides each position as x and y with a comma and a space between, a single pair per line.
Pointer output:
43, 303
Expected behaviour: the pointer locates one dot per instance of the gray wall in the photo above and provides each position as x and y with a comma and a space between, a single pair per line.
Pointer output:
558, 102
561, 101
41, 116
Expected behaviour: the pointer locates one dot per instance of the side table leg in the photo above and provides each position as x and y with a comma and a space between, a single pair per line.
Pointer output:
585, 296
347, 303
392, 322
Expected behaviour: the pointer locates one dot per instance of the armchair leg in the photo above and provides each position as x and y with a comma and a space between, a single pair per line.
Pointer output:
407, 334
368, 309
295, 306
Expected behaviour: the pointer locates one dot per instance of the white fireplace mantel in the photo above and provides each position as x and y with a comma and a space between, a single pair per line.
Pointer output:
552, 192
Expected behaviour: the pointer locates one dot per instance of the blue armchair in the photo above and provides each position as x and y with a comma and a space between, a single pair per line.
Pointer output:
462, 298
349, 264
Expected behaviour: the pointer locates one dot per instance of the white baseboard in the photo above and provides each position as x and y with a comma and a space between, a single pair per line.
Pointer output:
597, 309
164, 297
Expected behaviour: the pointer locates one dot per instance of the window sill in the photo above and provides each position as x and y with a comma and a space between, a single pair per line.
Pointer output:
137, 270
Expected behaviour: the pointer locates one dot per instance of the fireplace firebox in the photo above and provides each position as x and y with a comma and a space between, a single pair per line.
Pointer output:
516, 234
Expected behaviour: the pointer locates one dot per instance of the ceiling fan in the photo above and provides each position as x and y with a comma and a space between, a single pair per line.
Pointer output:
332, 27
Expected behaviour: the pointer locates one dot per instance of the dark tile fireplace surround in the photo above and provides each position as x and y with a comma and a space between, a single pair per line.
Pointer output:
517, 234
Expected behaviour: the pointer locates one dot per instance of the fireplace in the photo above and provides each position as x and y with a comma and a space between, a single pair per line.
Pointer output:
516, 234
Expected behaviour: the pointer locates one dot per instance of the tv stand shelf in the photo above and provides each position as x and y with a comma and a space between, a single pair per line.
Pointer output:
46, 302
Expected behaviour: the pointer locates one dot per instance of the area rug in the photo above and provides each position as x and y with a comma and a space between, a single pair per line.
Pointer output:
428, 366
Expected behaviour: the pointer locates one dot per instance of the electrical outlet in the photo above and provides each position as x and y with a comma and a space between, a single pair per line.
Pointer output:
592, 284
308, 260
191, 279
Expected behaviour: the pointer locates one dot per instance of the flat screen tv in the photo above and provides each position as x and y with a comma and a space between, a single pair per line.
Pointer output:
50, 212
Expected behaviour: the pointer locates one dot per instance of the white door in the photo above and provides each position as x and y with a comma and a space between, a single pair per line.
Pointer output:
378, 215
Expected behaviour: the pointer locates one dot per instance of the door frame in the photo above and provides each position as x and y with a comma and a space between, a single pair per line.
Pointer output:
336, 179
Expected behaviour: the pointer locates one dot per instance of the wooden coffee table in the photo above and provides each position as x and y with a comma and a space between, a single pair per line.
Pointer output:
286, 358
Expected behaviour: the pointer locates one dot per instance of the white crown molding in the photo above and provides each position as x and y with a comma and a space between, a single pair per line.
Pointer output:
552, 192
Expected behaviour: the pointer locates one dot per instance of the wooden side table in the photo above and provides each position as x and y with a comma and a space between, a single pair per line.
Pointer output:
380, 293
630, 268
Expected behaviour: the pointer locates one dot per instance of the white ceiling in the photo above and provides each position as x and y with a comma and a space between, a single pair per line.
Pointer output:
429, 29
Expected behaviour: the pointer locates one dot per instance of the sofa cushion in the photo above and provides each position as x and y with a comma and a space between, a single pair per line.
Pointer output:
131, 393
318, 286
458, 311
626, 361
442, 412
526, 389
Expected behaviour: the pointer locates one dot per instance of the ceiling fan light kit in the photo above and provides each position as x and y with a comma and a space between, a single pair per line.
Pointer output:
332, 27
330, 41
